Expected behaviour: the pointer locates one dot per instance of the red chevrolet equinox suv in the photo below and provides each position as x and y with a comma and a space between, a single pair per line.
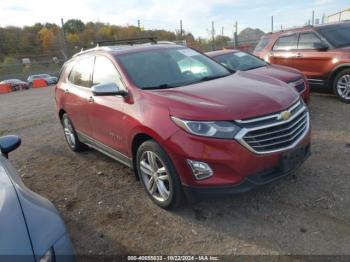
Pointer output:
183, 122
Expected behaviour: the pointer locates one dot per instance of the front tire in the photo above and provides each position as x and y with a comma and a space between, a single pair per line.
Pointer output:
158, 175
341, 86
71, 135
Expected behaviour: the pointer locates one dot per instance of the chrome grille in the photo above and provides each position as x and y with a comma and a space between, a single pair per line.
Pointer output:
273, 133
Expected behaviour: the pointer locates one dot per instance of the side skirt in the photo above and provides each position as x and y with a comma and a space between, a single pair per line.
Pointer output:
105, 149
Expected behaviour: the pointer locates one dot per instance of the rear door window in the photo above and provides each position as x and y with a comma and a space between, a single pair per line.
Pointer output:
286, 43
308, 41
81, 73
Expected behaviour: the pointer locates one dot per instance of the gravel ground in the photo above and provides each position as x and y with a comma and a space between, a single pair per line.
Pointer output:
107, 212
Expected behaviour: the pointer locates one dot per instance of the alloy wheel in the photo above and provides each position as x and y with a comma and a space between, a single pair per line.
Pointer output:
343, 87
69, 132
155, 176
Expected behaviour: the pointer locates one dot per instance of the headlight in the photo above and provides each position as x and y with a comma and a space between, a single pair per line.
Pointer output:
217, 129
48, 257
299, 85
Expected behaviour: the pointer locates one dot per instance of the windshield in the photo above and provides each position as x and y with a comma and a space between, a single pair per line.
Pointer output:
338, 36
240, 61
170, 67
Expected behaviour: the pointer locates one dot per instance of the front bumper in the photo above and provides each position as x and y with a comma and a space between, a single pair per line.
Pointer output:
249, 183
232, 164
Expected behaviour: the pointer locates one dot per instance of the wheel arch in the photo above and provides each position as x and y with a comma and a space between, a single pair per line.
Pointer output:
61, 112
335, 72
137, 141
141, 136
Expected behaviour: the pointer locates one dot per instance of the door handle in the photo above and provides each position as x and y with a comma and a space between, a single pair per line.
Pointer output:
91, 99
299, 55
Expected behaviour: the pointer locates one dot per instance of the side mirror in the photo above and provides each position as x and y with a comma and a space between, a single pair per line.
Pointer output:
55, 81
108, 89
9, 144
321, 46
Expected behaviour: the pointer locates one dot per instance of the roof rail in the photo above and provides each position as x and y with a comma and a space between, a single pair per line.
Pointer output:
82, 51
290, 29
131, 41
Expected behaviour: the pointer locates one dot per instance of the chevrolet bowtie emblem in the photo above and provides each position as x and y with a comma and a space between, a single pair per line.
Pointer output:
285, 115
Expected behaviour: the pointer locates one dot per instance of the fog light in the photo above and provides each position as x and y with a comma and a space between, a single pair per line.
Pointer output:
200, 170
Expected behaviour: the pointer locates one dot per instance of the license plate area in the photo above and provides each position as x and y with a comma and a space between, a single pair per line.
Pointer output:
292, 159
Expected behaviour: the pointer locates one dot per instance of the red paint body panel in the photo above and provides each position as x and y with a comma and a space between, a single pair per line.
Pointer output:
230, 162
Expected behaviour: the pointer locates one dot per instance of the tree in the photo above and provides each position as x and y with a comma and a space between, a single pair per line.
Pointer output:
47, 37
74, 26
73, 38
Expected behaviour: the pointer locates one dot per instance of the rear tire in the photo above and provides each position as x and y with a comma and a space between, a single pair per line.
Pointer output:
71, 135
158, 175
341, 86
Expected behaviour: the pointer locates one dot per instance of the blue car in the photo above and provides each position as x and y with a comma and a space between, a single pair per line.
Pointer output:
31, 228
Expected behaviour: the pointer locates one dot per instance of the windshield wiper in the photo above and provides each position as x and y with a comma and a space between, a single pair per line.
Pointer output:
254, 67
207, 78
162, 86
343, 45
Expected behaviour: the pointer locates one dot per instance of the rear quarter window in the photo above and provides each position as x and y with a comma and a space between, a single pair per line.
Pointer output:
66, 68
262, 44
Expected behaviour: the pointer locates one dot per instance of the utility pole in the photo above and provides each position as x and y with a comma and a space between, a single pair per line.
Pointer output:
181, 30
139, 24
65, 48
222, 30
313, 17
271, 24
212, 36
235, 35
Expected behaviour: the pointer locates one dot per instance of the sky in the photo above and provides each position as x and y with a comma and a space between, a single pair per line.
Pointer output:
166, 14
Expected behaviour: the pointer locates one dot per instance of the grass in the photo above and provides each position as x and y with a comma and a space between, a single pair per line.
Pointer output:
3, 132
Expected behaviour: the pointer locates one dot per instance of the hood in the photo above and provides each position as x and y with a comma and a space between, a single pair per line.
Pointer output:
14, 238
283, 73
238, 96
44, 224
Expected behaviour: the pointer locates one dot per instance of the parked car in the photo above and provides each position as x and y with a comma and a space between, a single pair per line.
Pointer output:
321, 52
31, 228
50, 80
183, 122
238, 60
15, 84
